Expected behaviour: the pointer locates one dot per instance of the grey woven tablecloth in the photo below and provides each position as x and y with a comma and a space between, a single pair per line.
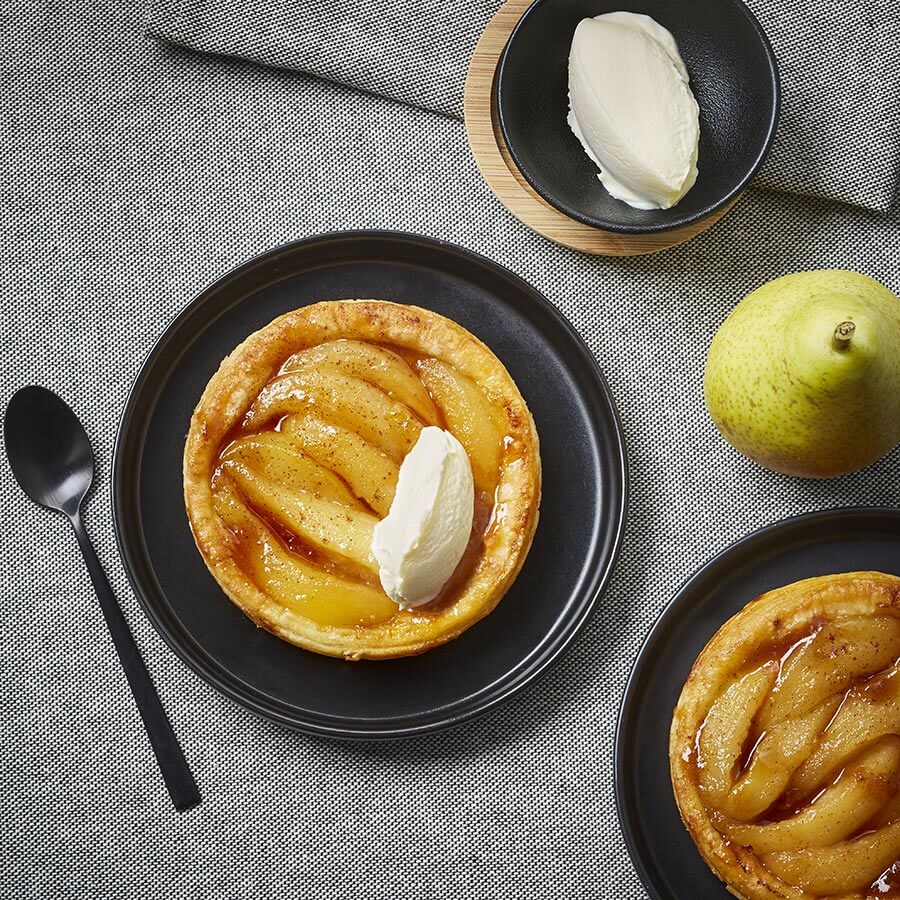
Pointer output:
839, 135
132, 175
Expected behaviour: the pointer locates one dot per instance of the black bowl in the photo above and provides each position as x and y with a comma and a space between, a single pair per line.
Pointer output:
734, 77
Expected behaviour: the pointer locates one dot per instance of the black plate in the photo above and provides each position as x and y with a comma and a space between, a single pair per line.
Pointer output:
825, 543
733, 74
582, 513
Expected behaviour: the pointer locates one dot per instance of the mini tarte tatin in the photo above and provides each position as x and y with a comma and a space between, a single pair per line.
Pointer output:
292, 458
785, 743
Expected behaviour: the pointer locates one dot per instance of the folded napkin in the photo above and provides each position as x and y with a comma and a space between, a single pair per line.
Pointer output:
839, 135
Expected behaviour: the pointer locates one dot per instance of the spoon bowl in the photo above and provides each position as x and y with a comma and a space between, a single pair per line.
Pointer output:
48, 449
733, 75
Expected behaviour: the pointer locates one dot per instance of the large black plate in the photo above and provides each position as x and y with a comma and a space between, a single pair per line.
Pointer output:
582, 513
825, 543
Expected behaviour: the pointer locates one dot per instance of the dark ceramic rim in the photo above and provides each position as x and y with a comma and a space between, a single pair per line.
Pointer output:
658, 629
133, 421
697, 216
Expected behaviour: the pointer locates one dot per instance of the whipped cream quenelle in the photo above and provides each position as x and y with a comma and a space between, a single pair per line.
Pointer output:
420, 542
631, 106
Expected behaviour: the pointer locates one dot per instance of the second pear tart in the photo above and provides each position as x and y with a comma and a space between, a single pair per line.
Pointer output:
292, 459
785, 743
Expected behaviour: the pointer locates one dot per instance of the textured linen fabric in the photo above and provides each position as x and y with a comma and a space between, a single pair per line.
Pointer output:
134, 174
839, 134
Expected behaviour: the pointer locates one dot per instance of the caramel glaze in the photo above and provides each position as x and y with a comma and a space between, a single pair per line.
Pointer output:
483, 519
782, 649
875, 686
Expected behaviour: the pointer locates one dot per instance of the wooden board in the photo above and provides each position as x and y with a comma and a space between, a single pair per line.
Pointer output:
506, 181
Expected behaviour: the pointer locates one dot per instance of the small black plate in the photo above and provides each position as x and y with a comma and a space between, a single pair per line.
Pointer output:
733, 75
823, 543
582, 512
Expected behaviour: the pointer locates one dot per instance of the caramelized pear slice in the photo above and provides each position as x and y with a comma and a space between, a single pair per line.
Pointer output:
777, 755
351, 403
838, 655
279, 458
869, 711
470, 418
838, 812
725, 729
343, 535
372, 475
383, 368
324, 597
841, 869
294, 582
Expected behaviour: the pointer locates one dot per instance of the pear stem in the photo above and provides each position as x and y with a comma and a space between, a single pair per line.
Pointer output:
840, 340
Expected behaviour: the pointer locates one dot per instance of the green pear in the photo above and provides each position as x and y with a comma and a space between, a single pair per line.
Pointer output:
804, 375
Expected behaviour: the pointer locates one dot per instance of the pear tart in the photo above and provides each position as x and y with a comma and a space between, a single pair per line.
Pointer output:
785, 742
293, 455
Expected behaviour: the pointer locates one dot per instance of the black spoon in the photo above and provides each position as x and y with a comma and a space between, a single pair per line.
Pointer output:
51, 457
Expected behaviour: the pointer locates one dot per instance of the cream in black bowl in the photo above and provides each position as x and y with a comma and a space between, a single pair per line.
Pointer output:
733, 76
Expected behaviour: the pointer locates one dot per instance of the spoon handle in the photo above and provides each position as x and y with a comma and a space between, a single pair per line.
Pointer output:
176, 774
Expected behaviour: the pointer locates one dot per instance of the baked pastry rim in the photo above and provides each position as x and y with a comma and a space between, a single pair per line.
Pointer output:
742, 872
236, 384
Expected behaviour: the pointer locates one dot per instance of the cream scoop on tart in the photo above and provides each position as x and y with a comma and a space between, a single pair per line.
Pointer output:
421, 541
291, 468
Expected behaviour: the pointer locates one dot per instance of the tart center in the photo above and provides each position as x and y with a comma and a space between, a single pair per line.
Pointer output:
304, 479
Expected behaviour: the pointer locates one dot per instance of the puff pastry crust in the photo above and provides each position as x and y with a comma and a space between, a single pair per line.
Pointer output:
785, 743
292, 456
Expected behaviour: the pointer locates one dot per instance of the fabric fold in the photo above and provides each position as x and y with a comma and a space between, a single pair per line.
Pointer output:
839, 134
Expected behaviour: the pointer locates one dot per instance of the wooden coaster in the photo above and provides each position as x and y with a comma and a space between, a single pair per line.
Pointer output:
506, 181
